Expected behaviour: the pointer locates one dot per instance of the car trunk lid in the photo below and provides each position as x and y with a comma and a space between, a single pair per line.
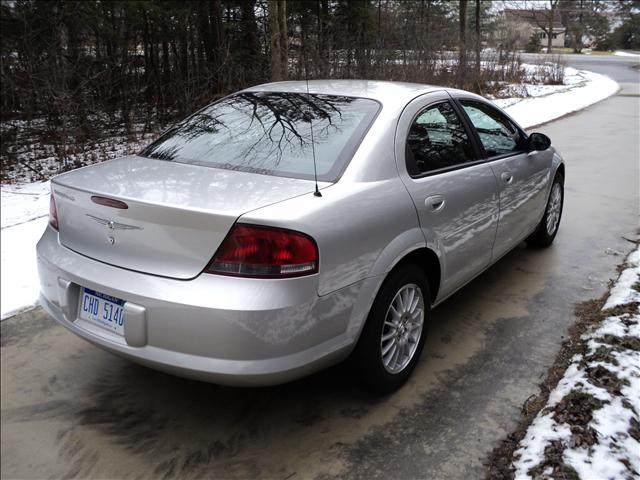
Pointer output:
175, 218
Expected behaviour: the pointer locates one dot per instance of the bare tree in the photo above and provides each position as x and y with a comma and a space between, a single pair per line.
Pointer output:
543, 14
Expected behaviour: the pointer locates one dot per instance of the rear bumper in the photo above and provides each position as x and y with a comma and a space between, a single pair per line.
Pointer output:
220, 329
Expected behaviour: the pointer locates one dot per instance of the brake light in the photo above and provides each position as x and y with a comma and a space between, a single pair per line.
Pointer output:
265, 252
109, 202
53, 212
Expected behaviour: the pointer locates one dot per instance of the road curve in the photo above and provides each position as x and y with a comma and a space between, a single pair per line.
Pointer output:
71, 410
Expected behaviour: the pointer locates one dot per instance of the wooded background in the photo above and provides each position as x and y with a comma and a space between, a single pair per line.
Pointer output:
75, 69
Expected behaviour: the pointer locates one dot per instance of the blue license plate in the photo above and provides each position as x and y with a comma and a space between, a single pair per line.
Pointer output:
103, 310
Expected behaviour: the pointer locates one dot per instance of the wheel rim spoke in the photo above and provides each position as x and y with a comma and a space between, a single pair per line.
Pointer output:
388, 347
394, 358
410, 296
388, 336
390, 353
400, 302
414, 306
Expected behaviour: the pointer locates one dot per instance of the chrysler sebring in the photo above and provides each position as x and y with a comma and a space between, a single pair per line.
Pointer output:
289, 226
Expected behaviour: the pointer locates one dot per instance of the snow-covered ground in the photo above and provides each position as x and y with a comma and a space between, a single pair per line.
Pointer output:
25, 207
24, 216
543, 103
620, 53
19, 275
591, 422
24, 202
33, 158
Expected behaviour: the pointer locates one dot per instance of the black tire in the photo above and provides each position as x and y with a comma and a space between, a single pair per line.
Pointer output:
541, 237
367, 356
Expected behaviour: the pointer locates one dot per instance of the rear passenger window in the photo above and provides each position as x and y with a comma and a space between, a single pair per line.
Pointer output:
499, 136
437, 139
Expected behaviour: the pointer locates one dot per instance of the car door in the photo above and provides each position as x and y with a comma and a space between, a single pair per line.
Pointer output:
522, 176
454, 191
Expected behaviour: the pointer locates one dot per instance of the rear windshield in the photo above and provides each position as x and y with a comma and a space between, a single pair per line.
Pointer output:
270, 133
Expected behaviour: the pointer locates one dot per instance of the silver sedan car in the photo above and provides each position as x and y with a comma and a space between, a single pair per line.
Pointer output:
287, 227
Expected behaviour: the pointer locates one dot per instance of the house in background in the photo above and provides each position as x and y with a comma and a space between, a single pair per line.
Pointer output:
522, 24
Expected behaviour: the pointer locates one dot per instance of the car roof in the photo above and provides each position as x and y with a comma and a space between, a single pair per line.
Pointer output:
383, 92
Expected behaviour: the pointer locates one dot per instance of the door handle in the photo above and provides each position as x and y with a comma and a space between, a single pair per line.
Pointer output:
506, 177
435, 203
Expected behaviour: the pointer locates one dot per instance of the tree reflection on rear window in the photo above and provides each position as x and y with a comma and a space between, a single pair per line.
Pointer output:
269, 133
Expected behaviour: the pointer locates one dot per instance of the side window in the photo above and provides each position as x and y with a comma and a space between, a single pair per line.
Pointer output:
437, 139
497, 133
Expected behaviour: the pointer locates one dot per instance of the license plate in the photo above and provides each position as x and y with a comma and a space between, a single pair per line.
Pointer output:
103, 310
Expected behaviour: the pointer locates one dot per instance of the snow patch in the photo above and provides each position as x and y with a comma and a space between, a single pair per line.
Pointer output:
624, 291
541, 433
19, 287
620, 53
544, 106
23, 203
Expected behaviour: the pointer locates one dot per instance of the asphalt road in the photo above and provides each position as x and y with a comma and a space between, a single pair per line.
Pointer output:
614, 66
71, 410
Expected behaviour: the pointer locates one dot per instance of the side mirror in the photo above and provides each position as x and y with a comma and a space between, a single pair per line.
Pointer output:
538, 141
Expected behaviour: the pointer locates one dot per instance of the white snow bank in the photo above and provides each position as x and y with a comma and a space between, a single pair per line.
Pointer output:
623, 292
23, 203
615, 451
620, 53
539, 435
540, 109
24, 213
19, 285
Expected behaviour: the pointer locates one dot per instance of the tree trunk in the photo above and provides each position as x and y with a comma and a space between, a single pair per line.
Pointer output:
166, 66
248, 45
552, 14
217, 45
274, 40
323, 41
462, 44
205, 45
577, 33
378, 54
478, 42
284, 39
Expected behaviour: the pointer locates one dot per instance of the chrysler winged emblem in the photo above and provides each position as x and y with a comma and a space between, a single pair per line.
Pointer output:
111, 225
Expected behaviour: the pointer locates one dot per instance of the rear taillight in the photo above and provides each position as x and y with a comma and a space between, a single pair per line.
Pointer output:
265, 252
53, 213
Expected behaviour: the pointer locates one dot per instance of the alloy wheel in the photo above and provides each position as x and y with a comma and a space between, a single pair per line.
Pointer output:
402, 328
554, 208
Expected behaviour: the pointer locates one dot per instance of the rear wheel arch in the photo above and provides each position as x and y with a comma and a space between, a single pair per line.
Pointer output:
424, 258
428, 261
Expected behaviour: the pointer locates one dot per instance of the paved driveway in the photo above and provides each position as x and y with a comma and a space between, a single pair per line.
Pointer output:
69, 409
